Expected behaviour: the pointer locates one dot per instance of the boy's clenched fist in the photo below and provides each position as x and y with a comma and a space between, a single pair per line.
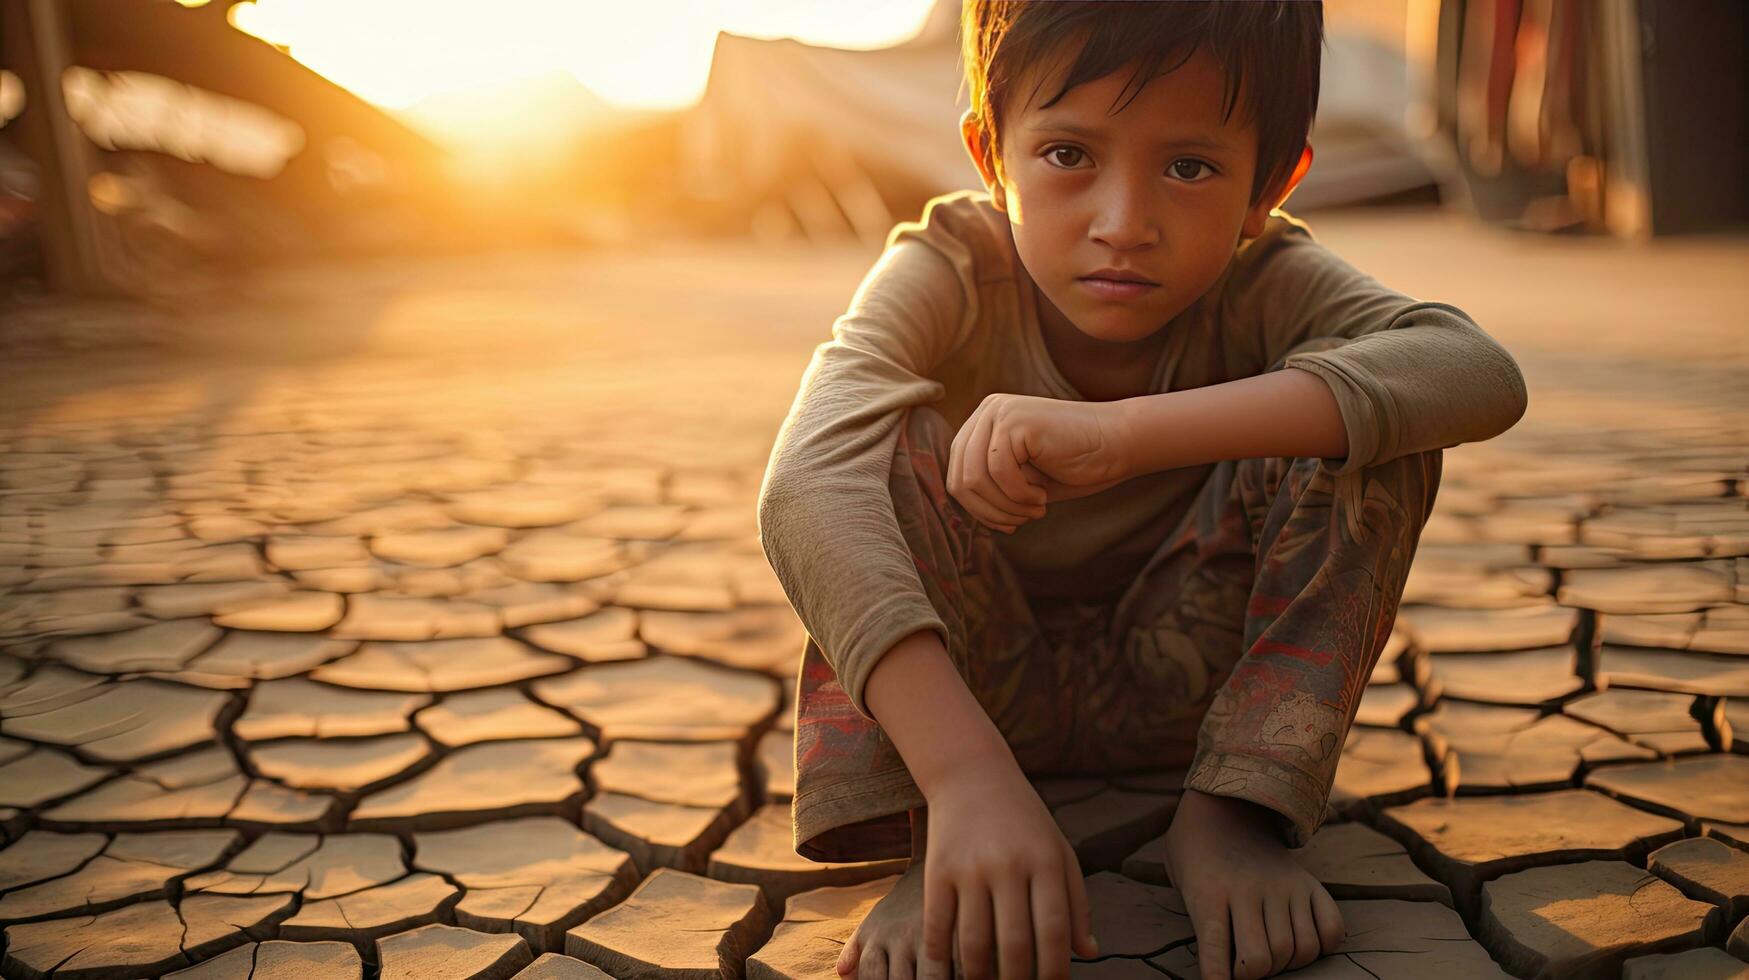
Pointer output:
1017, 453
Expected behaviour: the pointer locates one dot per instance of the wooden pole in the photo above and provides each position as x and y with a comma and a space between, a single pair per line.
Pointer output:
37, 45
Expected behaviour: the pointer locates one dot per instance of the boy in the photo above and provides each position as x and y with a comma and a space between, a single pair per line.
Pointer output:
1208, 444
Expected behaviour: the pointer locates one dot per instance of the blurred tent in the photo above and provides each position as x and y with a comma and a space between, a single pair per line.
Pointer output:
827, 142
1362, 152
794, 139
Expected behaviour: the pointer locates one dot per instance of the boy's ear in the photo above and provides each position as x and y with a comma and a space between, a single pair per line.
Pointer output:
1273, 198
973, 137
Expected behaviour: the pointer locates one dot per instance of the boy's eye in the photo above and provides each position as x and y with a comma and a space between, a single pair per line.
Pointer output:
1056, 155
1190, 169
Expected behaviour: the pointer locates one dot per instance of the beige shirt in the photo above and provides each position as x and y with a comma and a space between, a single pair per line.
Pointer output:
948, 315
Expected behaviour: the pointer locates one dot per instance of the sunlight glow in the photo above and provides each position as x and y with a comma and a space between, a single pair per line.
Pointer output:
650, 55
11, 96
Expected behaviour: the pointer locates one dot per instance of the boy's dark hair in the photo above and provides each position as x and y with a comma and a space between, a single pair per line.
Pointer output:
1271, 46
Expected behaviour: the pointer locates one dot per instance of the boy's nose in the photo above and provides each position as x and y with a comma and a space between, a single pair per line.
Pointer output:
1122, 220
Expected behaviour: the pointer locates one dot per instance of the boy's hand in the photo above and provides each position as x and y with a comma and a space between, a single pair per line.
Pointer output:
999, 877
1016, 453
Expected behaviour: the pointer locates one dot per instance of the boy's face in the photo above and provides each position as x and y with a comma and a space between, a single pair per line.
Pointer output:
1159, 191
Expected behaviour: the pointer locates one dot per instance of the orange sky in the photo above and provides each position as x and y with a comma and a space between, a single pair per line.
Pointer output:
653, 54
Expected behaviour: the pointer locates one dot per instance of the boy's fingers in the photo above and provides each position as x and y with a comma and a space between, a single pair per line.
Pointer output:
1004, 459
967, 483
976, 445
973, 918
956, 458
1250, 940
1050, 925
1055, 489
983, 513
995, 506
978, 470
939, 905
1080, 910
978, 508
1214, 943
1018, 495
989, 511
958, 474
1014, 926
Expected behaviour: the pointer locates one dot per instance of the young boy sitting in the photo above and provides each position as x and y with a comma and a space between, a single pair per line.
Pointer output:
1209, 446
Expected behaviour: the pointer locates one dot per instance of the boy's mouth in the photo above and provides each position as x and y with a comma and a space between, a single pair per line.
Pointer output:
1119, 275
1116, 284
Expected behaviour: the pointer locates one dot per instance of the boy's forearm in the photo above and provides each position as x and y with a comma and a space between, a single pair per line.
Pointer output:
1283, 413
924, 706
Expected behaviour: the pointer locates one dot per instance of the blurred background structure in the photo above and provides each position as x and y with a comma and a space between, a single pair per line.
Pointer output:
146, 145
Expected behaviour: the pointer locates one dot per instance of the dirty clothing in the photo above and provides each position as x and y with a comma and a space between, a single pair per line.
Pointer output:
1240, 651
949, 315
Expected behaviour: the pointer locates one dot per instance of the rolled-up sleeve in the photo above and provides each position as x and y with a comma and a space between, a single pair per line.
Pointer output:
1408, 376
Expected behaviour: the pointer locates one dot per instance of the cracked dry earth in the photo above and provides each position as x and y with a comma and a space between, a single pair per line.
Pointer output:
417, 627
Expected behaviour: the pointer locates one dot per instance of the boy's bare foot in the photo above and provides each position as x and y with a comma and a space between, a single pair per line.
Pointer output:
1255, 910
889, 940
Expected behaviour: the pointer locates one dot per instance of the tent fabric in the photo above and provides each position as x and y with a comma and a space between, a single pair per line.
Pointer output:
786, 123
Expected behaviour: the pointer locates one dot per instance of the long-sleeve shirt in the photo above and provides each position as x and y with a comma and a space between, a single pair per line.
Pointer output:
948, 314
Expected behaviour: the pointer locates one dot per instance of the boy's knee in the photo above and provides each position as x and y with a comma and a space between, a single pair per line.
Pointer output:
924, 436
1409, 481
926, 431
926, 427
918, 478
1413, 479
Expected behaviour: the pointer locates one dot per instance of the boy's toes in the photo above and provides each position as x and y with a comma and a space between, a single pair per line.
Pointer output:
1251, 954
1331, 930
1308, 945
901, 965
848, 957
1278, 920
873, 964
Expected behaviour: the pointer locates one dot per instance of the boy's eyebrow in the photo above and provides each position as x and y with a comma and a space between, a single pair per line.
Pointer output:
1086, 133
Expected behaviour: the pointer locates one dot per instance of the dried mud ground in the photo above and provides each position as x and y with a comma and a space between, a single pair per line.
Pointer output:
409, 620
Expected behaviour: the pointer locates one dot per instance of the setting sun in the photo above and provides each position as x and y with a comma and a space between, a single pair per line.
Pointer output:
638, 56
